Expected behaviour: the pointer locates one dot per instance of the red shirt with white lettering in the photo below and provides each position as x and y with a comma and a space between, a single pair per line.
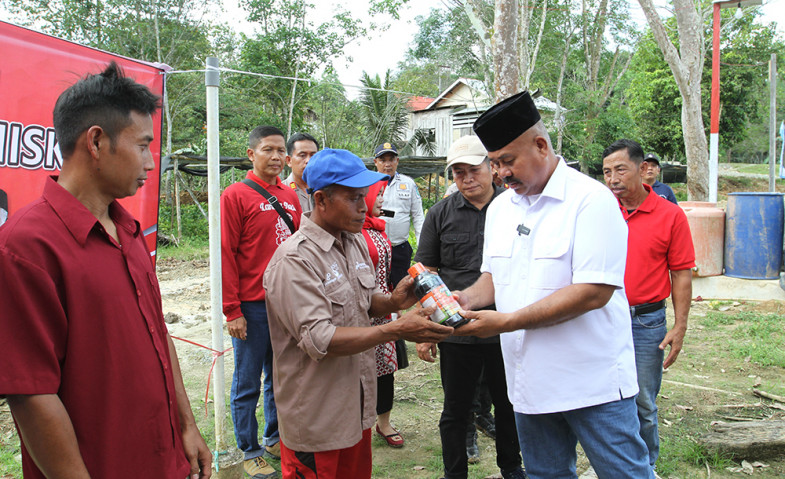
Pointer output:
659, 242
251, 231
81, 317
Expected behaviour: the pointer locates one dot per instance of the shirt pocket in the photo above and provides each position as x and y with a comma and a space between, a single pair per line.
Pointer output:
454, 249
551, 267
340, 295
368, 282
500, 259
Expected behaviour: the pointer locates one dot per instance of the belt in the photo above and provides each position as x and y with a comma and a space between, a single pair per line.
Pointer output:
646, 308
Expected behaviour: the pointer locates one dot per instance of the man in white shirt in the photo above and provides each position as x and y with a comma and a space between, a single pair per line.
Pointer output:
402, 198
553, 262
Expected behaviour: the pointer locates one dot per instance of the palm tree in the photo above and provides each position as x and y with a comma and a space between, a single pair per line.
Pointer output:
386, 118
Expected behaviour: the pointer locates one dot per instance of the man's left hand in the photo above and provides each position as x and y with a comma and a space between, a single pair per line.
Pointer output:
484, 323
675, 338
197, 453
403, 296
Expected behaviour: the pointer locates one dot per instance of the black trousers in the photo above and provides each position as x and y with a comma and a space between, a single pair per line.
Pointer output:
461, 366
400, 262
385, 390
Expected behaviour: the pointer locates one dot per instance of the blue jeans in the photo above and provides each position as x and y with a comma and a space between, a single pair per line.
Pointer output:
251, 357
607, 432
648, 331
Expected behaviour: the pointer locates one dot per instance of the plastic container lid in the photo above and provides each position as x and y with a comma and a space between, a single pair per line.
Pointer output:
416, 270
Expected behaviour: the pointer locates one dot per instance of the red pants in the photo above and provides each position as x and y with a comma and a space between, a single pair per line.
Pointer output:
352, 462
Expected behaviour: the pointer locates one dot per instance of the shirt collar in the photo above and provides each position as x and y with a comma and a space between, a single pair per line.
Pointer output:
252, 176
646, 207
556, 187
77, 218
317, 234
651, 199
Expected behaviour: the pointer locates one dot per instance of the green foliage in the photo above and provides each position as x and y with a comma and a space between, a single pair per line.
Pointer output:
445, 48
194, 225
337, 121
289, 44
655, 101
383, 112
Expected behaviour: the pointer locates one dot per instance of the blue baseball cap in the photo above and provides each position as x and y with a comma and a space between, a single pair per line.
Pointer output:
338, 167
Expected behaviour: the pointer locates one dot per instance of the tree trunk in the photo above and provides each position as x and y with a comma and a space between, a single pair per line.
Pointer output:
504, 43
695, 145
557, 117
687, 67
752, 440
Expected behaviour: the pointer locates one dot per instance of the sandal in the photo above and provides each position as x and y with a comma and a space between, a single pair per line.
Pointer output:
393, 440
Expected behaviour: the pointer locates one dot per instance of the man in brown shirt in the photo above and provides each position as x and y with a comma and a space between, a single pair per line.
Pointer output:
320, 292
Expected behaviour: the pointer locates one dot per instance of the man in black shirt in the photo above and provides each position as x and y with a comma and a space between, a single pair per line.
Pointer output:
451, 243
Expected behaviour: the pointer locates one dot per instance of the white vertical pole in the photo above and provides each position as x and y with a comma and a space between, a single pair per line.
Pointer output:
212, 82
772, 120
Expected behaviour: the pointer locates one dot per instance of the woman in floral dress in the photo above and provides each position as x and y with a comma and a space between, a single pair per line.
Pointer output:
386, 362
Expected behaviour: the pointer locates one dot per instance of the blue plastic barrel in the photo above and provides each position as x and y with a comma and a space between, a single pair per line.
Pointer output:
753, 235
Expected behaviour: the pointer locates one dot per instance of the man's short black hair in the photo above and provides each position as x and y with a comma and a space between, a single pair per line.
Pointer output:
105, 99
261, 132
299, 137
634, 150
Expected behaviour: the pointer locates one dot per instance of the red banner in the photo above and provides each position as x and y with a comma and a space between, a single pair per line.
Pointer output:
35, 69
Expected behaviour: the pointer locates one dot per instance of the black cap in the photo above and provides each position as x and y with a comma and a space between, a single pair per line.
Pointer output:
652, 157
385, 148
506, 121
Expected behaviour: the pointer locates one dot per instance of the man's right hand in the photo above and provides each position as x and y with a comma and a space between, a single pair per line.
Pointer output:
427, 352
237, 328
415, 326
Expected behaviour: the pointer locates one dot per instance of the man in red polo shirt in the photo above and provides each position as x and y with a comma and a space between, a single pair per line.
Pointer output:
660, 256
252, 228
88, 368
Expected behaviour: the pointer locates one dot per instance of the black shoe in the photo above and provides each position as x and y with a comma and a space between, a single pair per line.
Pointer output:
517, 473
486, 424
472, 451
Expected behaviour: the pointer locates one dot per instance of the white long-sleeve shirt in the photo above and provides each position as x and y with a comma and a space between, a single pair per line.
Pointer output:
403, 197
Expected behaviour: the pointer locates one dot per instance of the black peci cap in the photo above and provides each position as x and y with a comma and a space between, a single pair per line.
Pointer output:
506, 121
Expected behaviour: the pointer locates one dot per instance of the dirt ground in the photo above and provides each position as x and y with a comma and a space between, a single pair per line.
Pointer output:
704, 385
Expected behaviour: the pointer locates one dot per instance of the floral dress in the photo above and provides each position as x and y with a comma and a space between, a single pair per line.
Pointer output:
386, 360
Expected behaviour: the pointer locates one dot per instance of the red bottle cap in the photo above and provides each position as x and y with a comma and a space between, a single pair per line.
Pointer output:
416, 270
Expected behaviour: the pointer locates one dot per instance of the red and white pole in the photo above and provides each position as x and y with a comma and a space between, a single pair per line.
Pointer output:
714, 131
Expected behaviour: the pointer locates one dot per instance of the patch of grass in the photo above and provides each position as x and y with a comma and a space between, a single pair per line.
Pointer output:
682, 456
190, 248
758, 168
713, 320
716, 305
10, 448
759, 337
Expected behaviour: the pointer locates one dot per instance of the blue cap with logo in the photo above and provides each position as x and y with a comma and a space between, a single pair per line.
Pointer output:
385, 148
338, 167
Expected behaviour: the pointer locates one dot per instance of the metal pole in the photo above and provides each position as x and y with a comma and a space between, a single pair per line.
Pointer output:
714, 131
772, 120
212, 82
